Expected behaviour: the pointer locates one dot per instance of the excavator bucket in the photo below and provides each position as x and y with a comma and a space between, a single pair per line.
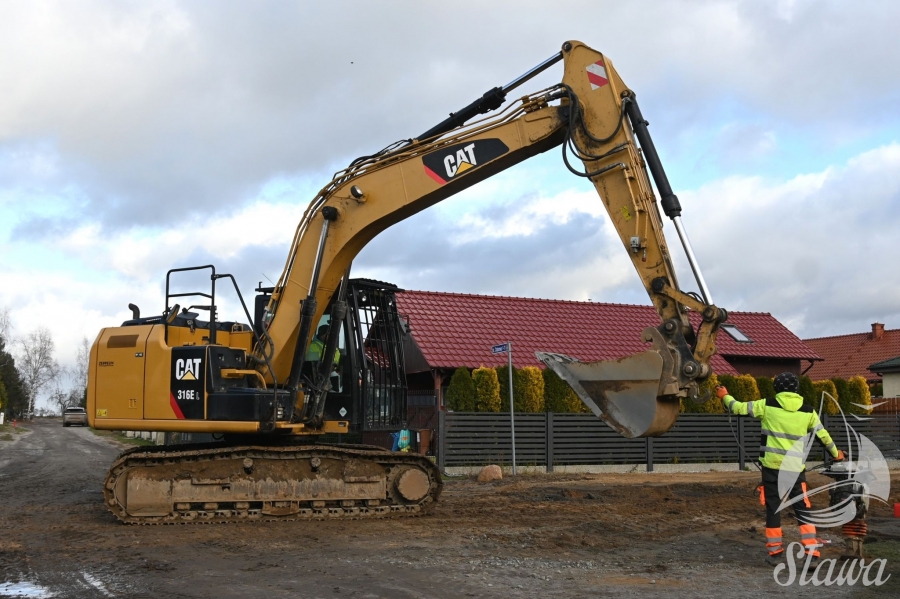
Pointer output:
623, 392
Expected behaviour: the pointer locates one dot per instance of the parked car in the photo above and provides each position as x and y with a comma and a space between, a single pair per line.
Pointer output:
75, 416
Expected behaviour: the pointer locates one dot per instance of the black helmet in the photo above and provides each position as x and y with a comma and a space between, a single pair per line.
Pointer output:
786, 381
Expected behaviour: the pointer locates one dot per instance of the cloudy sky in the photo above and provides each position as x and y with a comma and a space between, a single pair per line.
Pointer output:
141, 136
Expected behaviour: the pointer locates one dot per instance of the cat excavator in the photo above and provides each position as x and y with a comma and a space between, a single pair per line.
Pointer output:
323, 353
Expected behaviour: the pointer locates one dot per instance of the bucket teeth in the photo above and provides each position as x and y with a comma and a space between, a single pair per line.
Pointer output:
623, 392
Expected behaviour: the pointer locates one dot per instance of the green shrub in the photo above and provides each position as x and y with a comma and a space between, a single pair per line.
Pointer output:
713, 406
742, 387
766, 387
877, 390
559, 396
829, 407
461, 392
528, 389
487, 390
843, 393
531, 390
808, 391
503, 379
859, 394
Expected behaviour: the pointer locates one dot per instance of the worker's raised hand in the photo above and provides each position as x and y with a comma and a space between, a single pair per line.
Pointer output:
721, 391
840, 456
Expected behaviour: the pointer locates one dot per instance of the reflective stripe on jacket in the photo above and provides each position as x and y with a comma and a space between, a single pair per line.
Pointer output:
785, 421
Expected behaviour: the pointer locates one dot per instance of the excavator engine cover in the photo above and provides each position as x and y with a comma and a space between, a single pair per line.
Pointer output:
623, 392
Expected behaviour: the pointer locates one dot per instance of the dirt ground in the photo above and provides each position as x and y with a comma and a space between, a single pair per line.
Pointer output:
566, 536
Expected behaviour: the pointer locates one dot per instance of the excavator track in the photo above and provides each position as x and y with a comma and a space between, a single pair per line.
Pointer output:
219, 484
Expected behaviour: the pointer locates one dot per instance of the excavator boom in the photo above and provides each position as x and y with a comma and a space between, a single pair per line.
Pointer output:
595, 118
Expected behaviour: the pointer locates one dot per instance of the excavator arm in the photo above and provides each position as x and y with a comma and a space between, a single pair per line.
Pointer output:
594, 117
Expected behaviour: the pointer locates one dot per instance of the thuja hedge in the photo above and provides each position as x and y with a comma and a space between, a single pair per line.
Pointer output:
534, 390
487, 390
461, 392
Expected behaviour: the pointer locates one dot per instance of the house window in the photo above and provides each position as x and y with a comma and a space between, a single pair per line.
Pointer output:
736, 334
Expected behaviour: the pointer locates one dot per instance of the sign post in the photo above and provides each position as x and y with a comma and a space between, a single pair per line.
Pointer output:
499, 349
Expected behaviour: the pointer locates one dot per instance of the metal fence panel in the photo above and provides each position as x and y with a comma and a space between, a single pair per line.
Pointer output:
585, 439
480, 438
469, 438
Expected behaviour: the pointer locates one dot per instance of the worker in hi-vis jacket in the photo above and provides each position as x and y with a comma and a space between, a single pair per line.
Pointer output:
785, 420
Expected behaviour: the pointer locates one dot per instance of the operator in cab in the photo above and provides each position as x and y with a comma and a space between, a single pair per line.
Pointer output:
314, 353
317, 349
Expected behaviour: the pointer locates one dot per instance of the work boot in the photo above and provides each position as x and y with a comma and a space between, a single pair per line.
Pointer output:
774, 560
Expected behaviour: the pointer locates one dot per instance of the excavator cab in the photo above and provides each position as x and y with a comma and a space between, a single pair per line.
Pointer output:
367, 385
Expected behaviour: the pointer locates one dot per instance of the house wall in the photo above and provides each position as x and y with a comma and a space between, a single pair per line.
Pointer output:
770, 367
891, 382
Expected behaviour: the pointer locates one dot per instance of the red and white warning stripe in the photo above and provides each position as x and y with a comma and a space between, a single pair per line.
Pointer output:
597, 74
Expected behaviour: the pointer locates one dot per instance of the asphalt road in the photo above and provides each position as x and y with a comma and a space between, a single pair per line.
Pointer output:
561, 536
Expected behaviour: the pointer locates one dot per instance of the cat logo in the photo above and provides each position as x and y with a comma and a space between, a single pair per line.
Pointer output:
187, 370
447, 163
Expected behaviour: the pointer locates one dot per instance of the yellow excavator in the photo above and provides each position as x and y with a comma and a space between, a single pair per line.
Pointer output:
324, 352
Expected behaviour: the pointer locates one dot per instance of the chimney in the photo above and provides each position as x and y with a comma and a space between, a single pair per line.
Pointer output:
877, 330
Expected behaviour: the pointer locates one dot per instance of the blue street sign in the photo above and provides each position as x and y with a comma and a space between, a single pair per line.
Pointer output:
499, 349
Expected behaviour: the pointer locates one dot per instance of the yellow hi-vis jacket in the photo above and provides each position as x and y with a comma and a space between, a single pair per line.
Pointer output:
316, 348
785, 421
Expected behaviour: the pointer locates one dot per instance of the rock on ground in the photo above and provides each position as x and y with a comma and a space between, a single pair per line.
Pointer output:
489, 473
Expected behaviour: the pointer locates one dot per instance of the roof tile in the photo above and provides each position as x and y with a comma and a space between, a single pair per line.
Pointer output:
850, 355
455, 329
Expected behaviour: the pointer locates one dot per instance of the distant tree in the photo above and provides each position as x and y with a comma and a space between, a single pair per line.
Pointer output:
829, 407
5, 325
859, 395
36, 364
16, 403
4, 397
82, 365
487, 390
60, 397
766, 386
461, 392
843, 393
559, 397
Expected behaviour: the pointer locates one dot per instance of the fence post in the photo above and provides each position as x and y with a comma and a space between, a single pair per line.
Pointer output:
649, 454
441, 444
825, 451
740, 434
549, 441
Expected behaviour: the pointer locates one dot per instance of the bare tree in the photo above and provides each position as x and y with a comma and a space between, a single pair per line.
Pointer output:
59, 397
82, 364
5, 333
36, 364
5, 324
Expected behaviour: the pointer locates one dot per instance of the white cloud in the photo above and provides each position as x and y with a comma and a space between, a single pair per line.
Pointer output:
814, 250
136, 137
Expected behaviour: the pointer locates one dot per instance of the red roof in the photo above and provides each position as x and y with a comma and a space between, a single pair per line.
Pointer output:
454, 329
851, 355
